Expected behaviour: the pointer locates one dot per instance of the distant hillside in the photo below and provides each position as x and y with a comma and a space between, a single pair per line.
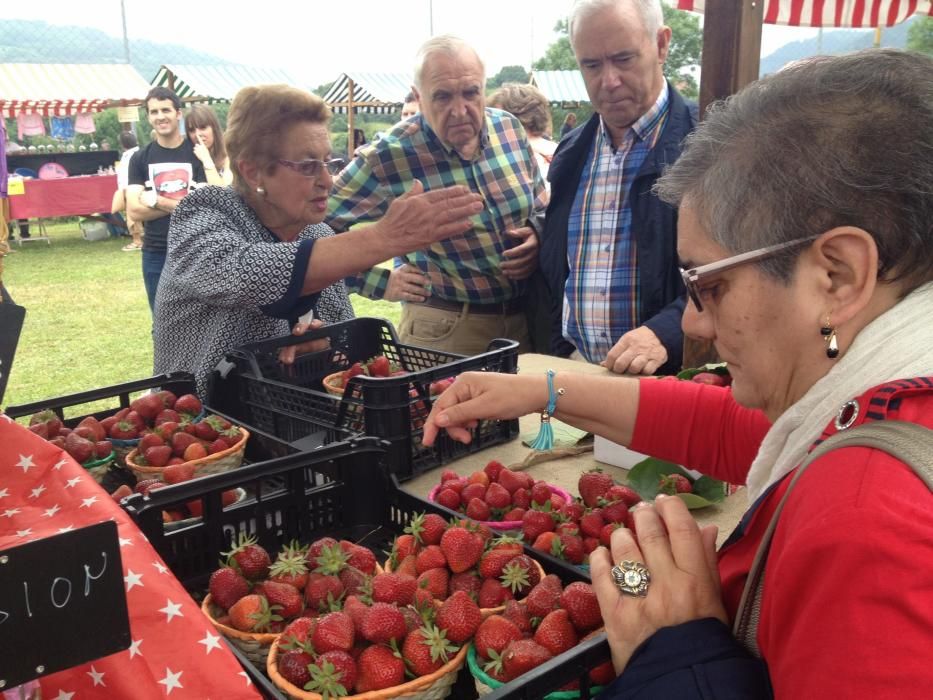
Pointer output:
835, 41
31, 41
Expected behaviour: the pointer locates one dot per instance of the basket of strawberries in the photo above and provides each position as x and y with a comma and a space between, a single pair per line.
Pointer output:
87, 442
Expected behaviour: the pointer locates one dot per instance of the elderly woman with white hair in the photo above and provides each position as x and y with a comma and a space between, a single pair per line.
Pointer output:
805, 230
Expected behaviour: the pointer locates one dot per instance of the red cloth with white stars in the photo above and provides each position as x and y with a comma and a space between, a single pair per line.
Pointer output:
175, 651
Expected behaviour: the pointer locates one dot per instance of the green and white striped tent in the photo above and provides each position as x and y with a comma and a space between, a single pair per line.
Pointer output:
196, 83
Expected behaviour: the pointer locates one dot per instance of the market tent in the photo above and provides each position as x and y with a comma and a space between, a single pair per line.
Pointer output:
832, 13
561, 86
368, 92
194, 83
61, 89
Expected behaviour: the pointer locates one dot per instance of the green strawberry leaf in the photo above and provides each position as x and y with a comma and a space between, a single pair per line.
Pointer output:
644, 478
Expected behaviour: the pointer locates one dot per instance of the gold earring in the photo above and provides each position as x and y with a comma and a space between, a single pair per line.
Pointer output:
829, 335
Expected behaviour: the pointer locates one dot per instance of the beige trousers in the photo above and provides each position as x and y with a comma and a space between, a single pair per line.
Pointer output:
459, 332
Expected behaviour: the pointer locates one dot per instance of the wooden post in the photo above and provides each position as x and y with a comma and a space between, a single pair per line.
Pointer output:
731, 55
350, 89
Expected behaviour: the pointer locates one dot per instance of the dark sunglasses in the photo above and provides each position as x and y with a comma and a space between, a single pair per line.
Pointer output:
312, 167
693, 276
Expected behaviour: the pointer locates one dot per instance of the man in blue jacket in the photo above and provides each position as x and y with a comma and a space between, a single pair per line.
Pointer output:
608, 255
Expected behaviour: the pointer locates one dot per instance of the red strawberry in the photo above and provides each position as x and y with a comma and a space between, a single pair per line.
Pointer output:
175, 473
593, 485
573, 511
218, 445
467, 581
615, 512
318, 548
623, 493
603, 674
147, 407
181, 442
520, 575
448, 498
590, 544
226, 587
322, 590
493, 468
379, 366
579, 600
356, 609
514, 515
205, 431
165, 431
194, 451
102, 448
167, 415
252, 560
572, 547
188, 403
462, 548
124, 430
674, 483
354, 581
167, 397
522, 656
296, 633
383, 622
549, 542
431, 557
251, 613
333, 632
293, 667
512, 481
97, 430
540, 493
287, 597
404, 545
516, 613
536, 522
426, 650
151, 440
479, 477
471, 491
544, 597
360, 557
40, 429
377, 668
522, 499
144, 485
333, 675
78, 447
493, 561
494, 635
591, 524
459, 616
394, 588
449, 474
435, 581
556, 632
158, 456
478, 509
408, 565
498, 497
492, 594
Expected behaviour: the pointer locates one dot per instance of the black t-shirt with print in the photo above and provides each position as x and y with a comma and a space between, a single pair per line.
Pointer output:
171, 170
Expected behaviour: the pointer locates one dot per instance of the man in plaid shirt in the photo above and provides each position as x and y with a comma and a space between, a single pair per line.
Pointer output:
462, 292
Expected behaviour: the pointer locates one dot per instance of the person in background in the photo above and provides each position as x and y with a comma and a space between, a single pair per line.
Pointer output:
22, 225
609, 250
410, 107
460, 293
160, 176
533, 110
207, 138
570, 123
809, 257
130, 146
246, 262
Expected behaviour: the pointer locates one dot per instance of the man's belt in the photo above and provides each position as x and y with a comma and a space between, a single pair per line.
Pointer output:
499, 308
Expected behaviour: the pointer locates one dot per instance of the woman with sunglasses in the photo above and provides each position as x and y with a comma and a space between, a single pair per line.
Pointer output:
250, 262
805, 224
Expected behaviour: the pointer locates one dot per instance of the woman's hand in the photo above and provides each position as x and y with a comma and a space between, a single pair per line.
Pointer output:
681, 559
407, 283
204, 155
476, 396
287, 355
417, 219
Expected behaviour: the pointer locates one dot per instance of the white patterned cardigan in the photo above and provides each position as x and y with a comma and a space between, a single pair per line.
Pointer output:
229, 281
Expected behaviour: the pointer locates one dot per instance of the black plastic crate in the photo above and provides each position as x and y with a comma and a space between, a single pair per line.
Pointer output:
254, 387
342, 491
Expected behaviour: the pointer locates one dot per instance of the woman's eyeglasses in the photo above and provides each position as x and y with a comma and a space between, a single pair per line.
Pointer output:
693, 276
312, 167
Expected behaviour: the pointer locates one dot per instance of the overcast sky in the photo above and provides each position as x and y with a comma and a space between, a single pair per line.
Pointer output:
318, 39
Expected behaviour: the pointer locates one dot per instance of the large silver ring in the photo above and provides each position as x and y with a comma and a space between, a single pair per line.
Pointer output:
631, 578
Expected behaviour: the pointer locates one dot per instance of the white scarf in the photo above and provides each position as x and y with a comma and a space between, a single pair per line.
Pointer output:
896, 345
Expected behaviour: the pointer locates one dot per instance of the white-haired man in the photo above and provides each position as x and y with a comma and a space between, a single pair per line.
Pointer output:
460, 293
609, 249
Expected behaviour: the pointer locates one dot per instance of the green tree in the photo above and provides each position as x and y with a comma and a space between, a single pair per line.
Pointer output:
508, 74
920, 35
559, 55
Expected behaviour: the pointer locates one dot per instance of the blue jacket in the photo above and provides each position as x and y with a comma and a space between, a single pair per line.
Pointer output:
654, 224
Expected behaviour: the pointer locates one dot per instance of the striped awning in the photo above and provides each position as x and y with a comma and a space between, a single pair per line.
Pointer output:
194, 83
832, 13
560, 86
379, 93
61, 89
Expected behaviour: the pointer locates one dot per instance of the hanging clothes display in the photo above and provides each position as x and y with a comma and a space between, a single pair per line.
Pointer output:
61, 128
84, 124
29, 125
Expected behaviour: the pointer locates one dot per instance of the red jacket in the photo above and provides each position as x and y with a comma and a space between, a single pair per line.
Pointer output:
847, 605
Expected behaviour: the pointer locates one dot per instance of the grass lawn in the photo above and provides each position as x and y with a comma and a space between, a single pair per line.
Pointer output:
87, 321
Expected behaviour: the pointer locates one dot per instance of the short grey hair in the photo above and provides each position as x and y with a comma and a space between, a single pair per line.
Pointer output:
830, 141
650, 12
445, 43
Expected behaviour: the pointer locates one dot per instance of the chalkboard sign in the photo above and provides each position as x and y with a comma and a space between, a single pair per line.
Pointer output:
62, 603
11, 323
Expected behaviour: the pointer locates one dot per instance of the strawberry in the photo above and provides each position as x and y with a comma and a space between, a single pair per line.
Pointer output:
471, 491
48, 417
512, 481
498, 497
251, 559
549, 542
493, 468
378, 667
536, 522
333, 632
290, 568
579, 600
286, 596
467, 581
517, 613
360, 557
459, 616
136, 421
158, 456
293, 667
449, 474
383, 622
121, 492
540, 493
494, 635
626, 494
431, 557
567, 528
478, 509
167, 397
573, 511
520, 575
166, 415
218, 445
394, 588
615, 512
544, 597
165, 431
674, 483
251, 613
456, 485
205, 431
181, 442
408, 566
522, 499
40, 429
379, 366
195, 450
593, 485
147, 407
522, 656
448, 498
493, 561
226, 587
124, 430
144, 485
462, 548
188, 403
78, 447
572, 548
514, 515
175, 473
354, 581
403, 545
591, 524
321, 590
479, 477
333, 675
296, 633
356, 609
97, 430
151, 440
492, 594
556, 632
435, 581
102, 448
426, 650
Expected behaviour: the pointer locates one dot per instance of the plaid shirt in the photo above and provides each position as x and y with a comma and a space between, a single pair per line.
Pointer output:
601, 297
464, 268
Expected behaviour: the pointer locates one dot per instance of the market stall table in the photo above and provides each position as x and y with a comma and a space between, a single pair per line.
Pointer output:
71, 196
565, 471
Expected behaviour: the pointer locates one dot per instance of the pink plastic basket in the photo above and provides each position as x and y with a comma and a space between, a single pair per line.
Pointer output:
504, 525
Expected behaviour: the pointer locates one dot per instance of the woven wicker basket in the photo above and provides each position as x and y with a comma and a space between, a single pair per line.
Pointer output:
222, 461
333, 383
504, 525
431, 687
485, 684
98, 468
254, 645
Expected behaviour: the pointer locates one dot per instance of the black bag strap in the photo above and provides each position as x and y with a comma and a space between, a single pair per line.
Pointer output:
912, 444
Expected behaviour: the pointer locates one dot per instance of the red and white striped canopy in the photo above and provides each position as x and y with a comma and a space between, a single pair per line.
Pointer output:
832, 13
57, 89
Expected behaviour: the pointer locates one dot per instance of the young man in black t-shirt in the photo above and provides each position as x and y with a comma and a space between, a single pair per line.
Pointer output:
160, 175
